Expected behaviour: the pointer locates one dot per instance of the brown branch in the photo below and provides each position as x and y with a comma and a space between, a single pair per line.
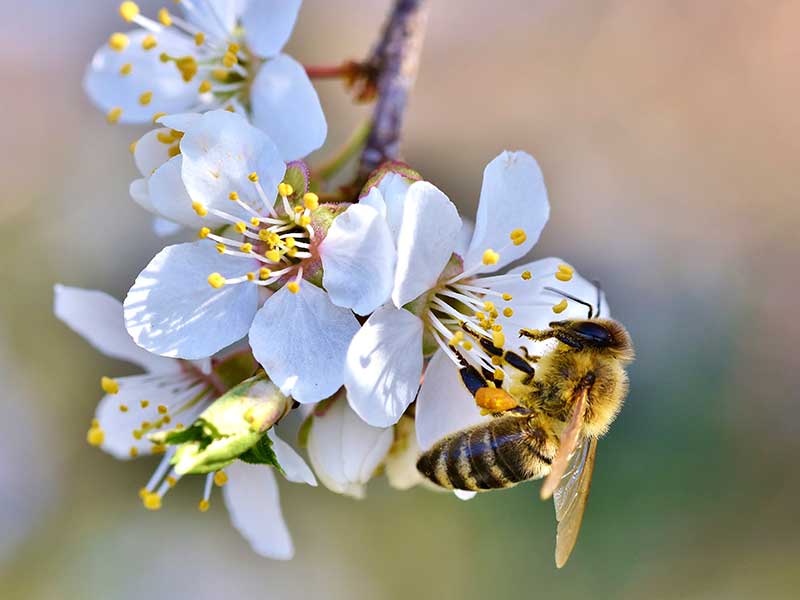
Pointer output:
395, 60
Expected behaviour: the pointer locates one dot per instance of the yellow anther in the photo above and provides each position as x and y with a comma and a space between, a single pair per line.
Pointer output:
220, 75
199, 38
151, 501
149, 42
264, 273
109, 385
247, 248
158, 449
171, 481
164, 57
132, 147
305, 221
204, 87
166, 419
187, 65
201, 210
203, 233
143, 492
146, 98
497, 328
95, 436
220, 248
233, 196
216, 280
289, 243
253, 177
129, 11
498, 339
162, 410
123, 408
137, 434
507, 297
144, 403
220, 478
518, 237
526, 275
285, 189
164, 17
508, 312
566, 269
113, 115
272, 255
499, 374
488, 306
311, 201
251, 276
203, 505
293, 286
298, 209
241, 227
229, 59
174, 151
233, 47
291, 252
133, 452
255, 222
230, 108
467, 345
158, 115
560, 307
126, 69
118, 42
145, 425
497, 361
165, 137
563, 276
490, 257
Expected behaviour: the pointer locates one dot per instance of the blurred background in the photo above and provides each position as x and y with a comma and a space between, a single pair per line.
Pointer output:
669, 135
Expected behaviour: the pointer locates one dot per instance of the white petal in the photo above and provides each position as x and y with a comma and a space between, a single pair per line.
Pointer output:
149, 153
393, 188
109, 89
175, 391
287, 108
345, 451
180, 121
140, 193
401, 462
165, 228
444, 404
384, 366
173, 311
464, 237
293, 465
301, 340
358, 258
217, 17
268, 25
170, 199
220, 150
254, 505
426, 241
533, 305
513, 196
98, 318
375, 200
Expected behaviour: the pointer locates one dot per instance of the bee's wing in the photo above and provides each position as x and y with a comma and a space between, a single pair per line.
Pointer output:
570, 498
566, 447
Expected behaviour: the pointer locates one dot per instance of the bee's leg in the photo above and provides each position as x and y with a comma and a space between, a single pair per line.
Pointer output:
521, 364
472, 378
512, 358
546, 334
531, 358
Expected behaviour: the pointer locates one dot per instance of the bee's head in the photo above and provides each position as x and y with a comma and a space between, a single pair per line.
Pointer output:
599, 334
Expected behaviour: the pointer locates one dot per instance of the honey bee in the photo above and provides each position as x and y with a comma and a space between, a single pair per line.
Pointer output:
546, 421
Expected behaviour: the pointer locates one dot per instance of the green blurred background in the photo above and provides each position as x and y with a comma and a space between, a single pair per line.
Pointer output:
668, 132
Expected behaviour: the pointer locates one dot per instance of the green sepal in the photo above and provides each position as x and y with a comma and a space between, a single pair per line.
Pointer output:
227, 429
262, 454
392, 166
298, 176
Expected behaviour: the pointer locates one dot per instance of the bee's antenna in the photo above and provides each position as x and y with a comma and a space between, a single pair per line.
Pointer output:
573, 298
599, 295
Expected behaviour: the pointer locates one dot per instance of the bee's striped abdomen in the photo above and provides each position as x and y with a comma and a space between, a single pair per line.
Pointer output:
496, 454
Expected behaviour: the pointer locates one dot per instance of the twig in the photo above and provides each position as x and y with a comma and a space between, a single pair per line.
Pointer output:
396, 59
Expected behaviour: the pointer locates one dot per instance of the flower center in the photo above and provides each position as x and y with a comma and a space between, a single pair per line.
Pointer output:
277, 241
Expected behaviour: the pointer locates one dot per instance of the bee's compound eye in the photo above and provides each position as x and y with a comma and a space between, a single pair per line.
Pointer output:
594, 332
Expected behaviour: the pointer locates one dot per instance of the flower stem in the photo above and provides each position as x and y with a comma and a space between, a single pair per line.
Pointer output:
328, 71
347, 152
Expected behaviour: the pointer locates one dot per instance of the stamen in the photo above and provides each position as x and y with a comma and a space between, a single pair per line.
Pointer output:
118, 41
109, 385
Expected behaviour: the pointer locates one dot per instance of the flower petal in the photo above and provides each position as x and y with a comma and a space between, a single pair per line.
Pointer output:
139, 408
394, 188
358, 258
165, 227
444, 405
149, 153
140, 193
464, 237
98, 318
345, 451
428, 235
173, 311
180, 121
401, 462
109, 89
293, 465
254, 505
513, 196
287, 108
268, 25
220, 150
384, 365
169, 197
217, 18
374, 199
301, 340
